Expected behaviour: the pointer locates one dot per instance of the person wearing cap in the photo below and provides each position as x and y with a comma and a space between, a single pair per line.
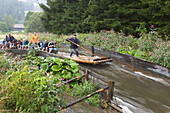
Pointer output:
73, 46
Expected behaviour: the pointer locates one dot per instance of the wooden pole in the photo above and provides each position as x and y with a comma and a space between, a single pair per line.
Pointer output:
110, 90
79, 100
92, 50
71, 80
86, 76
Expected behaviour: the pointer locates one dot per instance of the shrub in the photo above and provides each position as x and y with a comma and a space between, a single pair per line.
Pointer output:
81, 90
32, 92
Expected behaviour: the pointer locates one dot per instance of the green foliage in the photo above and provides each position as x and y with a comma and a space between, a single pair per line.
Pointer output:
7, 23
36, 84
14, 8
7, 65
3, 27
27, 18
81, 90
142, 28
161, 54
33, 22
65, 69
32, 92
130, 16
143, 47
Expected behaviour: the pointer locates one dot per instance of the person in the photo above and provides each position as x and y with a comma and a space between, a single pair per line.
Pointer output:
74, 46
51, 46
35, 38
3, 44
30, 44
7, 42
11, 38
26, 43
40, 44
19, 45
45, 46
14, 44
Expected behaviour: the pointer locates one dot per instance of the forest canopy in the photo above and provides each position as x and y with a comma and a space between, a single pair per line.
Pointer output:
12, 8
129, 16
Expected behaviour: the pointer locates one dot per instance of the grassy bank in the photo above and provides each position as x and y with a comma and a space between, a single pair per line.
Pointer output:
35, 84
149, 46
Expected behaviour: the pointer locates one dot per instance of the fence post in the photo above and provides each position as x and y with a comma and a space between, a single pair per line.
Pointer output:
110, 90
86, 76
92, 48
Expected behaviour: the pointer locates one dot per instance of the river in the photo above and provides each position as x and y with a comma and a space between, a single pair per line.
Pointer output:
134, 91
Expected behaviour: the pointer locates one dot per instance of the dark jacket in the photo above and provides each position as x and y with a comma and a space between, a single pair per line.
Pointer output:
11, 38
73, 46
7, 39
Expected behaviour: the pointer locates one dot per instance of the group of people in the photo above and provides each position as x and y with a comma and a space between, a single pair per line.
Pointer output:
11, 42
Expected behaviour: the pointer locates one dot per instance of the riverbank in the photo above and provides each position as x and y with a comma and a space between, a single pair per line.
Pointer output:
138, 93
41, 80
150, 46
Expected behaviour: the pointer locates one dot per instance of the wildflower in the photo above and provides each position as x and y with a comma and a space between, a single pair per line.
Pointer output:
48, 74
56, 92
59, 107
67, 97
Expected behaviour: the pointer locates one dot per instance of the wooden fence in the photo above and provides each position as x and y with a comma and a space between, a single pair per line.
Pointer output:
109, 87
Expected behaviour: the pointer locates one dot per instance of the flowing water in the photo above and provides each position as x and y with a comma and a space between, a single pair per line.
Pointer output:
134, 91
138, 92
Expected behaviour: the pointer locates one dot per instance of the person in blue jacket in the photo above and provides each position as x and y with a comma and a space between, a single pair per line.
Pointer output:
73, 46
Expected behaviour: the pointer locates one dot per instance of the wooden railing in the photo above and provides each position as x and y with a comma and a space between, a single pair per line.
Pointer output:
109, 95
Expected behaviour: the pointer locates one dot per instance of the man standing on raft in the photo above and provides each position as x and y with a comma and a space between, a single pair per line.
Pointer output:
74, 42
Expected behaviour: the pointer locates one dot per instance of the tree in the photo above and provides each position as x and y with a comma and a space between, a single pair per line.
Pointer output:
27, 17
14, 8
68, 16
34, 23
3, 27
7, 23
65, 16
52, 16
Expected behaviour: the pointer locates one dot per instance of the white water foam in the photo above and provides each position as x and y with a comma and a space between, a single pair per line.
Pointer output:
125, 109
129, 108
154, 78
123, 105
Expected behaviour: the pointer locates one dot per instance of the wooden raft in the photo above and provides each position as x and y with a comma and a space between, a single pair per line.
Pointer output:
87, 59
81, 58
